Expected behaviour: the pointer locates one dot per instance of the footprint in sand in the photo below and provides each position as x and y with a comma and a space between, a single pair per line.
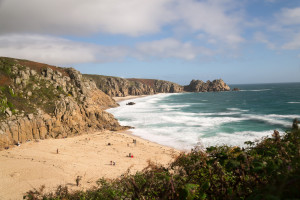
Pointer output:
14, 174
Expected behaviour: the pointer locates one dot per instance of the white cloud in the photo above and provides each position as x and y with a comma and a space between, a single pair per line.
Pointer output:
284, 30
54, 50
261, 37
289, 16
171, 48
59, 51
293, 44
288, 27
131, 17
33, 29
213, 17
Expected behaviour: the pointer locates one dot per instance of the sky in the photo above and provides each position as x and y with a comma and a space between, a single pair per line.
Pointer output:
240, 41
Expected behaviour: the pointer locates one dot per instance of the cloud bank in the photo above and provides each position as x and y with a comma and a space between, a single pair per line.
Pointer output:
58, 51
38, 29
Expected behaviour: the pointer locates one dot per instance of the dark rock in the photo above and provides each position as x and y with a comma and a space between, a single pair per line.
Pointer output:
235, 89
130, 103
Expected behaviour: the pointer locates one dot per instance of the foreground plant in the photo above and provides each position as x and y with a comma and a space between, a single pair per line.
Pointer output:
266, 169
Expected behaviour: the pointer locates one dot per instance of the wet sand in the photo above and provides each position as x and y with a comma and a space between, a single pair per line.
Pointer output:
118, 99
37, 163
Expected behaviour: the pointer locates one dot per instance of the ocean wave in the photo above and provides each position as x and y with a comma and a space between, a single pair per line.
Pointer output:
199, 121
173, 106
170, 124
283, 116
270, 119
170, 136
234, 139
260, 90
293, 102
237, 109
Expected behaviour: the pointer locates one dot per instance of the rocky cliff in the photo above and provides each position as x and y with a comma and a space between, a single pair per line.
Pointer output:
120, 87
208, 86
39, 101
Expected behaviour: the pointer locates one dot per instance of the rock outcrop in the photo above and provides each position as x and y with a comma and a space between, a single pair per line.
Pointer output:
208, 86
39, 101
120, 87
236, 89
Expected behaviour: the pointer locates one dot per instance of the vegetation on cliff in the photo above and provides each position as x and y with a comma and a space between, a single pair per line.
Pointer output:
38, 101
266, 169
22, 92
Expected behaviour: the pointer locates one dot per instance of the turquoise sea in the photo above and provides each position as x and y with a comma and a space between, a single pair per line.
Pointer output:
188, 119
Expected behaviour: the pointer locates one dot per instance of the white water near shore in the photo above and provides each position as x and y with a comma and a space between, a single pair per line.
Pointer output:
185, 120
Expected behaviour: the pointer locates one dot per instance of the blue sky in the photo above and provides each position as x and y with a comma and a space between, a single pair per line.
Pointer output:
240, 41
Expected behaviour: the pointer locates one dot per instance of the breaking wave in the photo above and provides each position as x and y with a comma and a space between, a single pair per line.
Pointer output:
185, 120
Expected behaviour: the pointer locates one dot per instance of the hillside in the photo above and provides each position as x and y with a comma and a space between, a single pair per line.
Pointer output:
39, 101
120, 87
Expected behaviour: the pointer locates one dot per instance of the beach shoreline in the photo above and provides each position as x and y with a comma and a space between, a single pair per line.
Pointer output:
54, 162
119, 99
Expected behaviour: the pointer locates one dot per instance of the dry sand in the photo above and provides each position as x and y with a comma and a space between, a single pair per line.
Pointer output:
37, 163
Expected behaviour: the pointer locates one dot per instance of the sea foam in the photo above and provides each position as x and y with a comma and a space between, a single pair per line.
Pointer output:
185, 120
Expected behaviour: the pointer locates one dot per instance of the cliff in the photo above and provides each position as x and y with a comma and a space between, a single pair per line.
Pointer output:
120, 87
39, 101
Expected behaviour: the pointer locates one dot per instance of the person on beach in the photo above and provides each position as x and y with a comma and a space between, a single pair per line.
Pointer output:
78, 179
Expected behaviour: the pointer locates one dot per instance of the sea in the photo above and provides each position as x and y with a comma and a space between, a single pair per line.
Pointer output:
187, 120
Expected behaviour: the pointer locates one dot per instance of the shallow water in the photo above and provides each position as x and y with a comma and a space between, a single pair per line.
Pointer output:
188, 119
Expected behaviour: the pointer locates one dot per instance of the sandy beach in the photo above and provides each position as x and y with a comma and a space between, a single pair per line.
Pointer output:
37, 163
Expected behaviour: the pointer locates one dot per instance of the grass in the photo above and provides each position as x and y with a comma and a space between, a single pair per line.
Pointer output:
18, 98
